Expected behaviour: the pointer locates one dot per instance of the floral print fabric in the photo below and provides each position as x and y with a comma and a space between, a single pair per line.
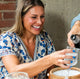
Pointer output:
11, 44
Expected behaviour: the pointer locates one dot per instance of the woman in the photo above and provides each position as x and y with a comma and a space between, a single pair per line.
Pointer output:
27, 47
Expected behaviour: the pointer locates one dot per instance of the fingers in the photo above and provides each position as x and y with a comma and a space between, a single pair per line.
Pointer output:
62, 54
64, 66
64, 61
70, 42
64, 51
68, 57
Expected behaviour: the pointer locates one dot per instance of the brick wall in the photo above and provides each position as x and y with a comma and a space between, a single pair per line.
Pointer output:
7, 13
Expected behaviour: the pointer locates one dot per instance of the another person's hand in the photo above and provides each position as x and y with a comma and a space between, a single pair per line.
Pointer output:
75, 30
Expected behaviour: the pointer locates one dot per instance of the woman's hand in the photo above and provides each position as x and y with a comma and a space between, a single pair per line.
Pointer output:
58, 58
75, 30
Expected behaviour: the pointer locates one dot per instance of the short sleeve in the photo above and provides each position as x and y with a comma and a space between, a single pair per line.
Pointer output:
7, 44
77, 18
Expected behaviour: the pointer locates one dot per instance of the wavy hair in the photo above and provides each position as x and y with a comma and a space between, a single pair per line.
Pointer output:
23, 7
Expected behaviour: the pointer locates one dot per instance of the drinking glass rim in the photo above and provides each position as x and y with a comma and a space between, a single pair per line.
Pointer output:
69, 47
16, 73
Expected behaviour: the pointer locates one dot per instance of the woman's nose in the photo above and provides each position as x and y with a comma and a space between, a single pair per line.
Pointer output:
39, 21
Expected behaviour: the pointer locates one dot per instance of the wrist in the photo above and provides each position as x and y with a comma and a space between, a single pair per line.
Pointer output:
51, 59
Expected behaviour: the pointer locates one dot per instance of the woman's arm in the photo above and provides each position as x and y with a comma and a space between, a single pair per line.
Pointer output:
12, 63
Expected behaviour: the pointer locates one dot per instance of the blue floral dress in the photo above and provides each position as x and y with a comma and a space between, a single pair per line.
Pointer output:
11, 44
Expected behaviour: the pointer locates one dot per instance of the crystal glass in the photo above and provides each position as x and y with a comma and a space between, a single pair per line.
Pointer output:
0, 75
17, 75
74, 60
74, 54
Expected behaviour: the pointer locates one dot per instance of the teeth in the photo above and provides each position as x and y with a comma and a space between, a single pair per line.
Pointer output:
36, 27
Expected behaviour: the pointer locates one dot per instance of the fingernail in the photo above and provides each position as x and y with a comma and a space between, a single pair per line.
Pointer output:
71, 61
70, 66
73, 50
74, 57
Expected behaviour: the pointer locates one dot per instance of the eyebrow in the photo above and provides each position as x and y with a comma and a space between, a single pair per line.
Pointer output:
36, 14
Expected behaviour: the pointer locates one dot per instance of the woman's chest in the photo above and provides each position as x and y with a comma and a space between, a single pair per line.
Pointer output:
30, 49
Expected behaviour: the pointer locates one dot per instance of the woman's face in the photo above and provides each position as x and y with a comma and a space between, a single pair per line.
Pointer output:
33, 20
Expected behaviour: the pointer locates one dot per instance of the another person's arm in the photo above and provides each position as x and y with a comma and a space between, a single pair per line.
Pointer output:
75, 29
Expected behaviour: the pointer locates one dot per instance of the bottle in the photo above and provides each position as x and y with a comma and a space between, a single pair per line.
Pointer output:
76, 40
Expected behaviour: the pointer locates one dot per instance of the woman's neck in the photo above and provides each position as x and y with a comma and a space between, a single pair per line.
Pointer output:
29, 38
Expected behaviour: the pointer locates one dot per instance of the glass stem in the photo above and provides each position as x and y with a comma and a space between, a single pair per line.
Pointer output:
67, 75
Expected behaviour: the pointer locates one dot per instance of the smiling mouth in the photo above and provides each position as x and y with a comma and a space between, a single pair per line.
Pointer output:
37, 27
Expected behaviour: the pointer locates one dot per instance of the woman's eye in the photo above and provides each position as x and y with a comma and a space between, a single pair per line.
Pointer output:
34, 17
42, 16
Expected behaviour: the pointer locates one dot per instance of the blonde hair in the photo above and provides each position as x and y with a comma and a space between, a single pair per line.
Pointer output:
22, 8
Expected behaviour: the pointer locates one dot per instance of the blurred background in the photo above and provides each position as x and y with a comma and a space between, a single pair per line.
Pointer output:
59, 14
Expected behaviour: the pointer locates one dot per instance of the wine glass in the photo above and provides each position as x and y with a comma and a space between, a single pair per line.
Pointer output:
17, 75
74, 60
0, 75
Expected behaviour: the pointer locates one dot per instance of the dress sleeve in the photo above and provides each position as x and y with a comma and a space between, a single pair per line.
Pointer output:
7, 45
77, 18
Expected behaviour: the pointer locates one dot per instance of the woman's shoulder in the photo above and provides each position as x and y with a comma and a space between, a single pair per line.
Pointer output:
8, 35
44, 34
8, 39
